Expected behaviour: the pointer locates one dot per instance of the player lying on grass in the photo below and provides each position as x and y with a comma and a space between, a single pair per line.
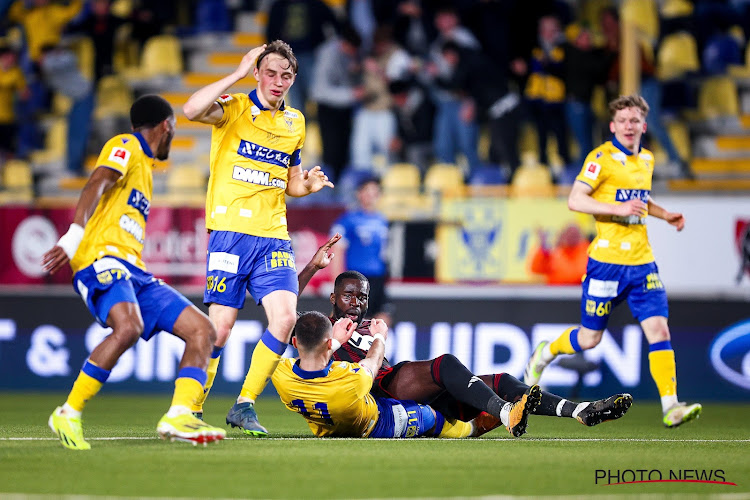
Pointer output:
444, 382
103, 246
335, 399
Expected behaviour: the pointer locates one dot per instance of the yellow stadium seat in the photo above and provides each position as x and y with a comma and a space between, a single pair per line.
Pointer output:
678, 54
186, 178
644, 15
162, 56
532, 181
55, 143
401, 177
676, 8
113, 97
17, 175
444, 179
680, 135
717, 97
86, 53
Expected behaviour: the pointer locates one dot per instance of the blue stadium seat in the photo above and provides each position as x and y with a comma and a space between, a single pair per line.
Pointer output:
720, 51
488, 175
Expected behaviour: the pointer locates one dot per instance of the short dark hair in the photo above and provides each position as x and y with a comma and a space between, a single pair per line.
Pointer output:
281, 48
311, 329
350, 35
149, 110
348, 275
367, 179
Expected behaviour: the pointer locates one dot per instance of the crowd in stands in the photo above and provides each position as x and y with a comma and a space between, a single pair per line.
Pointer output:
418, 81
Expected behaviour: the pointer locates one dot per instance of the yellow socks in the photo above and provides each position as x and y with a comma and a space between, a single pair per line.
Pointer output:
456, 429
266, 357
87, 385
664, 372
567, 343
213, 368
188, 387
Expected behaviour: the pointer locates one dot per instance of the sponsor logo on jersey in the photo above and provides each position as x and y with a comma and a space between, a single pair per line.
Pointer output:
258, 177
257, 152
119, 155
132, 226
224, 98
280, 259
291, 114
139, 201
632, 194
730, 354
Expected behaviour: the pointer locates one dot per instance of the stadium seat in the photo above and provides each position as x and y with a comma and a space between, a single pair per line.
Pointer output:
86, 53
401, 177
55, 144
677, 55
591, 11
680, 135
445, 179
717, 98
532, 181
644, 15
17, 182
720, 51
161, 57
676, 8
113, 97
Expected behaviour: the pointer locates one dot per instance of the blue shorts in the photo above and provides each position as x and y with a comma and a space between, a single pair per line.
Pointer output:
110, 280
606, 285
237, 262
402, 419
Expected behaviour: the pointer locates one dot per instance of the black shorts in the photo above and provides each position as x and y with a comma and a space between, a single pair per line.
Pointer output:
383, 380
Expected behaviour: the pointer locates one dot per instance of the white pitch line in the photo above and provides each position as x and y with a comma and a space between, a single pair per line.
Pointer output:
311, 438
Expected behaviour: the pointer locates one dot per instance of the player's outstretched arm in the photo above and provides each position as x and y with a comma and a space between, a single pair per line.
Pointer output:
580, 200
319, 261
674, 218
375, 355
202, 106
304, 182
99, 183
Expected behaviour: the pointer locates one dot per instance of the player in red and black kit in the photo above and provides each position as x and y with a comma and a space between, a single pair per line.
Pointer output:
444, 382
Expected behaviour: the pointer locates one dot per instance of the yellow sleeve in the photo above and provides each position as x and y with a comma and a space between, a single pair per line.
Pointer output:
593, 172
116, 154
68, 12
233, 105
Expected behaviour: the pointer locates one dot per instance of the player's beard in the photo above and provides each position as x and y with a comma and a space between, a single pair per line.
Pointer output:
338, 313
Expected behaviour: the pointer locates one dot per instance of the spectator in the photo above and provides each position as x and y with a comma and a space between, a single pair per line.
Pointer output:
565, 264
336, 89
60, 71
43, 22
489, 98
545, 88
374, 122
303, 25
454, 132
413, 25
101, 26
364, 233
651, 87
12, 87
585, 67
415, 114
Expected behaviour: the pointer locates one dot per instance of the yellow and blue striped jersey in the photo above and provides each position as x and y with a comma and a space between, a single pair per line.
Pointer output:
335, 401
251, 152
118, 225
617, 175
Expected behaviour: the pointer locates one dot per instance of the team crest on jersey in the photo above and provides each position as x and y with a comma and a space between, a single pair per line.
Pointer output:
289, 124
224, 98
119, 155
592, 170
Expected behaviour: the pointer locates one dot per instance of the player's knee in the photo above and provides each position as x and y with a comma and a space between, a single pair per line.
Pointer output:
660, 333
283, 323
129, 331
205, 334
589, 339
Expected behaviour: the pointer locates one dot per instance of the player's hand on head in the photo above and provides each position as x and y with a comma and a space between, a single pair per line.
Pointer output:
343, 329
315, 179
676, 219
248, 61
378, 326
322, 258
54, 260
631, 207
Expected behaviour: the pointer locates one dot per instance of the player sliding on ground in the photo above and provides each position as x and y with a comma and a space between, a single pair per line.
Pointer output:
334, 396
103, 246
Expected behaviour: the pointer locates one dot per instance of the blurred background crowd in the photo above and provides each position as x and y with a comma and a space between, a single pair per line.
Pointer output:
508, 95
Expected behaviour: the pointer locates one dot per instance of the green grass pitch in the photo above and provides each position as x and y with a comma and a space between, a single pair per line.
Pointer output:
558, 457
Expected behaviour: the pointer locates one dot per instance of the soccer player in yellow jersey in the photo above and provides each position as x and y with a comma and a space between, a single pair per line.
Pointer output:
255, 160
614, 186
334, 396
103, 246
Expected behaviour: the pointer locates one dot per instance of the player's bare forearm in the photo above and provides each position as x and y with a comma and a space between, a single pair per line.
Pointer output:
304, 182
580, 200
319, 261
202, 106
656, 210
101, 181
676, 219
